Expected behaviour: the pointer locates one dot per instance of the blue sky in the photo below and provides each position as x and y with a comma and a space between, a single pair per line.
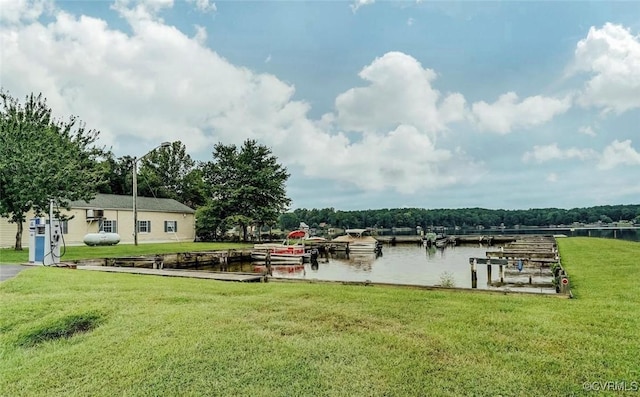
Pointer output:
368, 104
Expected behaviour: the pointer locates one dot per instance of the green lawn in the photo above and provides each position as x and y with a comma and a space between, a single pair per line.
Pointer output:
168, 336
8, 255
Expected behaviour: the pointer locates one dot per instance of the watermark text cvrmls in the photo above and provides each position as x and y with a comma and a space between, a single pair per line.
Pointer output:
622, 386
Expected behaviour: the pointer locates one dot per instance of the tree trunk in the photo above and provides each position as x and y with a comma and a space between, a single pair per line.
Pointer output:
18, 246
244, 232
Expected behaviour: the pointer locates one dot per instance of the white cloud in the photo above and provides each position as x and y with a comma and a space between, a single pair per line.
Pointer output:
410, 21
158, 84
541, 154
267, 59
136, 11
204, 5
552, 177
615, 154
587, 130
201, 35
507, 113
16, 11
611, 55
399, 92
618, 153
403, 159
360, 3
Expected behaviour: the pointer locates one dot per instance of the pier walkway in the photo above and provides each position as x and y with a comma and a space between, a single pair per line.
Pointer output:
220, 276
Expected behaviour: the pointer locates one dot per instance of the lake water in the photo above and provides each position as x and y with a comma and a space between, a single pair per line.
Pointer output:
409, 264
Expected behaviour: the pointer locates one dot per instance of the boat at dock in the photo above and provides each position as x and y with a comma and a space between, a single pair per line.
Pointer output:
292, 249
438, 240
359, 240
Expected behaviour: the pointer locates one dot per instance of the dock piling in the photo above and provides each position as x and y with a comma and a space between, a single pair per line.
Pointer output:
474, 274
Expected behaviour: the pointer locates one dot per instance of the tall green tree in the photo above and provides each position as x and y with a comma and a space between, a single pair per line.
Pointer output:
289, 221
117, 175
171, 173
246, 185
43, 159
210, 224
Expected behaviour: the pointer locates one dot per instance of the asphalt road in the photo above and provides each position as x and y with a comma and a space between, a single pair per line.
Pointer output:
9, 271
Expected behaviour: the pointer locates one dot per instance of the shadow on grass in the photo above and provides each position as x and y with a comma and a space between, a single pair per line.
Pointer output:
64, 327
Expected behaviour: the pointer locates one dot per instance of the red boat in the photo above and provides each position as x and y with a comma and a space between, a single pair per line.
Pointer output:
291, 250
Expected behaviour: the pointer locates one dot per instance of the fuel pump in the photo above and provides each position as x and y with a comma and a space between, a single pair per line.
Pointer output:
45, 239
37, 233
54, 239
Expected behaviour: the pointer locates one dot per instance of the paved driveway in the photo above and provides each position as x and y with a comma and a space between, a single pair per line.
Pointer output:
8, 271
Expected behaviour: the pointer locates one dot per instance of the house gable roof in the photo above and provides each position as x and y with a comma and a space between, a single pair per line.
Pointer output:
118, 202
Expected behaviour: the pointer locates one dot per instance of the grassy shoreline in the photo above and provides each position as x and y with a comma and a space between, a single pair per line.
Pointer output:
11, 256
165, 336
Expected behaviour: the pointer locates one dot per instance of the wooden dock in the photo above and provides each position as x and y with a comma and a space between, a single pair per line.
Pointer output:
529, 261
328, 246
220, 276
181, 260
457, 239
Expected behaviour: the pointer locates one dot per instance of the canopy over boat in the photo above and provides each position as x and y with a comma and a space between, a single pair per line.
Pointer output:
296, 234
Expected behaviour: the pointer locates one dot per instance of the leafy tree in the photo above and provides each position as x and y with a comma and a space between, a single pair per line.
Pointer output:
605, 219
246, 185
43, 159
117, 175
210, 221
289, 221
170, 172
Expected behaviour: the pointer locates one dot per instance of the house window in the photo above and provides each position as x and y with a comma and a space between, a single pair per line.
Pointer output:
109, 226
64, 225
170, 226
144, 226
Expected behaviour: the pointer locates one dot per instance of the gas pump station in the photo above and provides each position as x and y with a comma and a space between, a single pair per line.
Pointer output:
45, 239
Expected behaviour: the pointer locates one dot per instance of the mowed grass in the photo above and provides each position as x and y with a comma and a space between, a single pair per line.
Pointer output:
72, 253
168, 336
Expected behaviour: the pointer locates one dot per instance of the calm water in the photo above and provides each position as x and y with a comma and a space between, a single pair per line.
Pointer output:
403, 264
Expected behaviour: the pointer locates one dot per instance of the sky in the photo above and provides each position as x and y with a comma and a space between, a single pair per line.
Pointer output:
369, 104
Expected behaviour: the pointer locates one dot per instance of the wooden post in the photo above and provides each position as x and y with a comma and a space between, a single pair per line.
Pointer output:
474, 274
501, 271
267, 260
489, 278
563, 282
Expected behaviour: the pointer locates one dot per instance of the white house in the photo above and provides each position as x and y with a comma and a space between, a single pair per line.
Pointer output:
159, 220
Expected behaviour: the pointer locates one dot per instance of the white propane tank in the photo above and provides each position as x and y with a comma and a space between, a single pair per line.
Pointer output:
101, 238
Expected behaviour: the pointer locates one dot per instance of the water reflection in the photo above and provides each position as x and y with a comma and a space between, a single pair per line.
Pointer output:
280, 270
403, 264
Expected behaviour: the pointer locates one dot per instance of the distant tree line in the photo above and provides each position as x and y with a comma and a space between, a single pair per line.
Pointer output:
464, 218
